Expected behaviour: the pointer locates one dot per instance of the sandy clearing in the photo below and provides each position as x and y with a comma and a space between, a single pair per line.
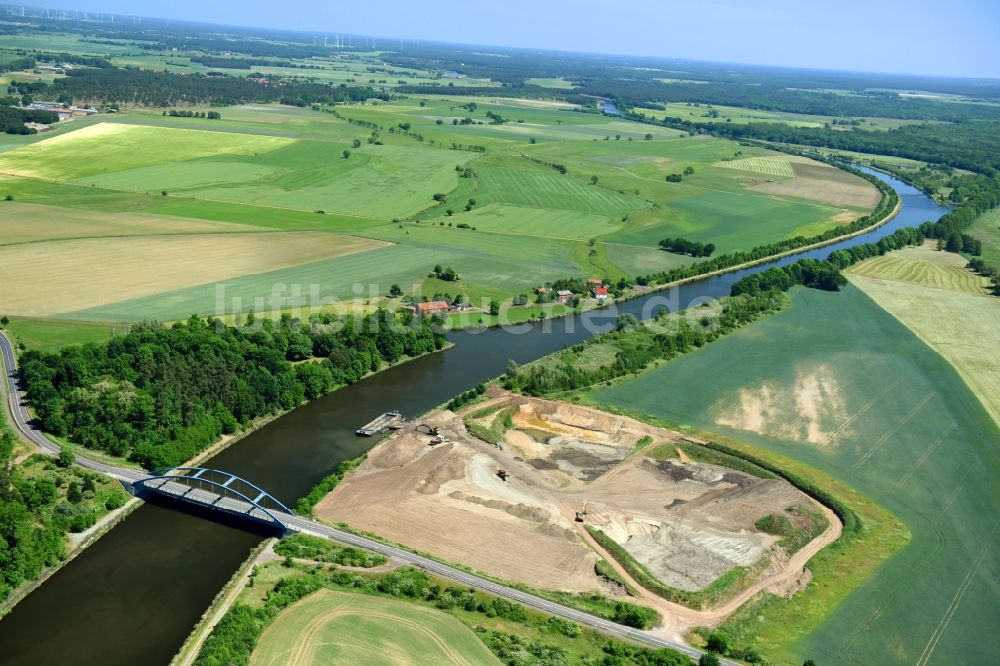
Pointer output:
805, 411
64, 276
689, 523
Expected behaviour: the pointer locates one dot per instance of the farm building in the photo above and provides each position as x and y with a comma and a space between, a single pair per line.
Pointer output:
601, 293
564, 296
429, 308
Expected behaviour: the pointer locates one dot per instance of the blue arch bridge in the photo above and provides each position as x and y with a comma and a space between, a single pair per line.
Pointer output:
215, 489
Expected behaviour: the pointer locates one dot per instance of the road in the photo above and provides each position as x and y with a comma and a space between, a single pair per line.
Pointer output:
22, 421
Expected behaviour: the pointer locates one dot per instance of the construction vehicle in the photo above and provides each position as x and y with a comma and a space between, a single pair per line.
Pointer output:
581, 514
503, 474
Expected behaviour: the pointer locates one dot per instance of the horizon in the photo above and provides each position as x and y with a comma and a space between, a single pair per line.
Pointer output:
965, 49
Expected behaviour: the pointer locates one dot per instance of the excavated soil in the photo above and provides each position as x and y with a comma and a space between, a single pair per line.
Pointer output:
687, 522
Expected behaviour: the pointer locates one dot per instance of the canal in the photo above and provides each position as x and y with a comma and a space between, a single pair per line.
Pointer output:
132, 597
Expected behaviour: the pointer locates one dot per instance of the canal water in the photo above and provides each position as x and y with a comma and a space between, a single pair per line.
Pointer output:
133, 597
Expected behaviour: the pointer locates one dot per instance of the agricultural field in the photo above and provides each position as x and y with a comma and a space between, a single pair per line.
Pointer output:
339, 627
32, 223
699, 113
114, 147
104, 270
987, 229
840, 384
51, 335
184, 182
923, 266
945, 305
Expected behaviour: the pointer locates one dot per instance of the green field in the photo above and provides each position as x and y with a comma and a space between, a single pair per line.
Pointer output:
276, 168
113, 147
51, 335
987, 229
525, 221
339, 627
841, 385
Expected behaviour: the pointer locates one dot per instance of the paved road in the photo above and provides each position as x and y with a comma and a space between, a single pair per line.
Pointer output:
300, 524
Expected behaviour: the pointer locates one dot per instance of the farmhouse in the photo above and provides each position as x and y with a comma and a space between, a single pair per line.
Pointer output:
429, 308
564, 296
601, 293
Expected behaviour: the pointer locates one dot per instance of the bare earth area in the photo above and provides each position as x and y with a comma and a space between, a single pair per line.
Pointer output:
686, 522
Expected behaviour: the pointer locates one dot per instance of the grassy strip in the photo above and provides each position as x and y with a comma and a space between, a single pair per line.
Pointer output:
502, 422
193, 643
308, 547
622, 612
604, 570
723, 587
516, 634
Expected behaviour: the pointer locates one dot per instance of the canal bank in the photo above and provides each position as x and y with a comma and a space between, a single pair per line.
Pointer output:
148, 581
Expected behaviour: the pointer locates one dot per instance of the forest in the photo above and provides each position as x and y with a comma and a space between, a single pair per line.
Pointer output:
147, 88
12, 121
40, 500
159, 395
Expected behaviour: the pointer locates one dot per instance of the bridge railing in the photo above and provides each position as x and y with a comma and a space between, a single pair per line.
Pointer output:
218, 489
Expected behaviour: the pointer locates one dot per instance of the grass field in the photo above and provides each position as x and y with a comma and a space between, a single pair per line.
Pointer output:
551, 223
924, 267
339, 627
105, 147
771, 166
986, 228
51, 335
523, 187
945, 304
841, 385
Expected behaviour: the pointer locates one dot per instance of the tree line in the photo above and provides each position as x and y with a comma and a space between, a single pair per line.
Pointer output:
147, 88
187, 113
159, 395
637, 346
684, 246
971, 145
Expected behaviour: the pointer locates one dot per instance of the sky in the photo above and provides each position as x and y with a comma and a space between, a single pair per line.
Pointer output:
957, 38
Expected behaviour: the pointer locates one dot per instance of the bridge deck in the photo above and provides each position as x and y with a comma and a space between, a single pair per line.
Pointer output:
210, 499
